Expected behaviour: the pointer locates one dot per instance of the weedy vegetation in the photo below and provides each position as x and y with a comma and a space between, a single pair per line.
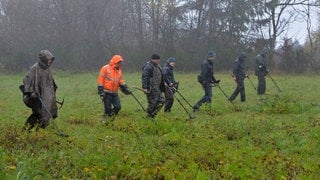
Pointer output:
276, 137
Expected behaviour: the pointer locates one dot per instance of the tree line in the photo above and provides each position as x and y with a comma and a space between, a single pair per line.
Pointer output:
83, 35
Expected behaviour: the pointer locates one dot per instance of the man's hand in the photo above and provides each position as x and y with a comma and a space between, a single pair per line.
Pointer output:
172, 89
124, 88
146, 91
33, 95
100, 92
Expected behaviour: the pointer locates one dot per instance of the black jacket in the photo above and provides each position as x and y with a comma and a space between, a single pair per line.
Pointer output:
167, 73
207, 74
261, 65
238, 69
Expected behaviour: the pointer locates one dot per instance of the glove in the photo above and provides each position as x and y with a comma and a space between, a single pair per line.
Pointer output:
172, 89
100, 91
176, 85
33, 95
124, 88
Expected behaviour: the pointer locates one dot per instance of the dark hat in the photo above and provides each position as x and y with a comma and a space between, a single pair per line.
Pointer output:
171, 59
211, 53
155, 56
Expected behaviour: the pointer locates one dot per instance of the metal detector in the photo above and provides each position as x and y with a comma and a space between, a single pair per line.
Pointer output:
254, 87
184, 98
138, 102
274, 83
59, 131
181, 104
223, 92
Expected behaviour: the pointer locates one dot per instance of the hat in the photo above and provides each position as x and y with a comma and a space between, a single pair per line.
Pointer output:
155, 56
211, 54
171, 59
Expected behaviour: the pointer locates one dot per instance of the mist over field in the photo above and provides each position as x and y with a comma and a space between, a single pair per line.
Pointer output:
84, 35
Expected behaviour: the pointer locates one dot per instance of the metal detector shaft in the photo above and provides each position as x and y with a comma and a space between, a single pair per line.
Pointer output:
138, 102
60, 103
274, 82
254, 86
61, 133
185, 109
184, 98
137, 88
221, 90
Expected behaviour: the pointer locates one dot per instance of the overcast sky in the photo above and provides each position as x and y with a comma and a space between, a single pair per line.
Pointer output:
298, 29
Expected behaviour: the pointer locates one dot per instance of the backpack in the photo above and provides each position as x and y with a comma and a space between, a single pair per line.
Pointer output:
200, 80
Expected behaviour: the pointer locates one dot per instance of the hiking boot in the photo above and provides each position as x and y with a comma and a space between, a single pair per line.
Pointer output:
104, 120
195, 108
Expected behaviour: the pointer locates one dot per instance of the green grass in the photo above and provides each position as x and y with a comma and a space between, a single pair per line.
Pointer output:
275, 138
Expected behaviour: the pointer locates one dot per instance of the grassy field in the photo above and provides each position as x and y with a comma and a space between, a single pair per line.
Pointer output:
274, 138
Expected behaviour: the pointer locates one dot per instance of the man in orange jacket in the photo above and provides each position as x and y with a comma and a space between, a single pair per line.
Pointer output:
109, 81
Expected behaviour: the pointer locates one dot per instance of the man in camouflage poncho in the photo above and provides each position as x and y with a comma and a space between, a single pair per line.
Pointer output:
40, 92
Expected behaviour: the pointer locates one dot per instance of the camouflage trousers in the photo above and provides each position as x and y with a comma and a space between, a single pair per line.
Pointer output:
155, 102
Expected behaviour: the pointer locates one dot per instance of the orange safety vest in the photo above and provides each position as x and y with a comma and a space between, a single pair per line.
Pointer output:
110, 77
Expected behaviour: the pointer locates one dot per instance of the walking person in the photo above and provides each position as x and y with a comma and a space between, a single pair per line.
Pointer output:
261, 71
171, 84
39, 92
206, 78
153, 85
238, 76
109, 81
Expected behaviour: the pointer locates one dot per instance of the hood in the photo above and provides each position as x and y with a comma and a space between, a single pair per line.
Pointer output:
264, 51
242, 57
115, 59
44, 57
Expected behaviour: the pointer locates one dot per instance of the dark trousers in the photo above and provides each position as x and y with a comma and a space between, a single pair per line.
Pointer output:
207, 95
239, 89
112, 104
169, 99
155, 102
261, 83
39, 116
